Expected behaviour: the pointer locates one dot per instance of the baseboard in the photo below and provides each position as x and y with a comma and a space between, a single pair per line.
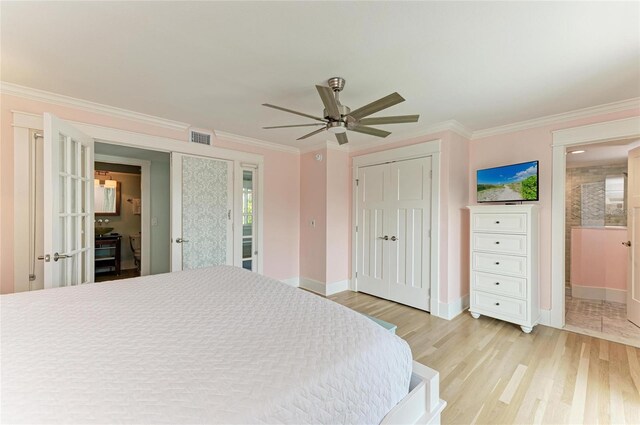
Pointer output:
596, 293
545, 318
450, 310
317, 286
292, 281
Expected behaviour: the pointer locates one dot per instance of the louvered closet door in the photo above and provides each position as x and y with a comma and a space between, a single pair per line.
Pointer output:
201, 208
394, 235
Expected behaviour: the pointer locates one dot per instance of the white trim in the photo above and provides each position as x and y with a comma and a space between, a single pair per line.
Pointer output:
140, 140
453, 309
318, 287
545, 317
145, 218
598, 133
431, 148
312, 285
292, 281
254, 142
593, 133
558, 118
597, 293
325, 144
336, 287
88, 106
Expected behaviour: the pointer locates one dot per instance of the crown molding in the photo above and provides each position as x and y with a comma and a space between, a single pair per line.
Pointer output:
255, 142
622, 105
85, 105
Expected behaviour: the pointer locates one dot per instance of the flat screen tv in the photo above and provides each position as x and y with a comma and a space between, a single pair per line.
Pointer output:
509, 183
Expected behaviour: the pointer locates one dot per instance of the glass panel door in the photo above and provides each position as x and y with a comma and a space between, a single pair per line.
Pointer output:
68, 205
248, 220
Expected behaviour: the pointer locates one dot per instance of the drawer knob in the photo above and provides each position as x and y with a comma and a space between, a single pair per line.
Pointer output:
497, 303
497, 242
497, 263
498, 222
497, 283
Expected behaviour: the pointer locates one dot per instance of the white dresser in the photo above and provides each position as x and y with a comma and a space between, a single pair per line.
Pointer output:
504, 263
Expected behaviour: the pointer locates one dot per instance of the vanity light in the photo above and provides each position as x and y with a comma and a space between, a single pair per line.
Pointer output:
111, 183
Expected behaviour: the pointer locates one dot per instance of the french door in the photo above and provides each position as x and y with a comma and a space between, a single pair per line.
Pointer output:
201, 212
394, 231
68, 204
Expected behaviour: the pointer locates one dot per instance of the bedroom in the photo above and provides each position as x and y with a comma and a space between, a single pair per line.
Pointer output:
525, 81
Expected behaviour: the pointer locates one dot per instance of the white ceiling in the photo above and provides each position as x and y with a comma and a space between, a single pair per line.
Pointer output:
613, 152
212, 64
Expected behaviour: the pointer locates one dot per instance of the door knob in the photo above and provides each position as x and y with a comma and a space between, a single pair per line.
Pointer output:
180, 240
627, 243
393, 238
385, 237
57, 256
46, 258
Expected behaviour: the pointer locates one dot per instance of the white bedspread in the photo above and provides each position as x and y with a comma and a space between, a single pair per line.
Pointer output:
217, 345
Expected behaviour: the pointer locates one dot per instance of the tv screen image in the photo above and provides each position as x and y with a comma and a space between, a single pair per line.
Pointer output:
509, 183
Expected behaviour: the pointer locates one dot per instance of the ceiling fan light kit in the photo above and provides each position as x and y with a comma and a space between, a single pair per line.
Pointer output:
338, 118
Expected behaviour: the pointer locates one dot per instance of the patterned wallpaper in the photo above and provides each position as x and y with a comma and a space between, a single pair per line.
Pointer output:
204, 212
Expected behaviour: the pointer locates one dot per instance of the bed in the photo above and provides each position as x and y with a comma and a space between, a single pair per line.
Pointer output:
215, 345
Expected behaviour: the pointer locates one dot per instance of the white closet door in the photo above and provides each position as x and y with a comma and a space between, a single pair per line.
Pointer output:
68, 204
409, 223
633, 229
394, 231
201, 212
371, 254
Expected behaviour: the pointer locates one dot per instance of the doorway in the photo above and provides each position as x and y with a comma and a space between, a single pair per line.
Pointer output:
597, 251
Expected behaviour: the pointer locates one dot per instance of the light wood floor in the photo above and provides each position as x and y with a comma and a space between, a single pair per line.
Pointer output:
493, 373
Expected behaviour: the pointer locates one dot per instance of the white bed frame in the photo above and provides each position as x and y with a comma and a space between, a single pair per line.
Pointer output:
423, 404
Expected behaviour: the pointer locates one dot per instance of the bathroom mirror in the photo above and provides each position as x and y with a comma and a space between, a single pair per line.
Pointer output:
615, 201
107, 197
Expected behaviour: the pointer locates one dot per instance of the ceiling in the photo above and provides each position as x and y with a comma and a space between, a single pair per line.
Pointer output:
606, 153
212, 64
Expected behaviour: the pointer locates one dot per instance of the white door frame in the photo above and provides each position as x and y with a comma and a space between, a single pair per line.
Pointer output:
23, 122
433, 149
562, 139
145, 222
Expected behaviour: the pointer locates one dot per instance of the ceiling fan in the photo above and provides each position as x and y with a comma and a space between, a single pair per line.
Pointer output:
339, 118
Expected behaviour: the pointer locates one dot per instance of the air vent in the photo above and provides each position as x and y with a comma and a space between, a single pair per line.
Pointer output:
202, 137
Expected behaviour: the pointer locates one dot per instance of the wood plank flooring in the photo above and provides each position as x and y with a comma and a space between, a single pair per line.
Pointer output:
493, 373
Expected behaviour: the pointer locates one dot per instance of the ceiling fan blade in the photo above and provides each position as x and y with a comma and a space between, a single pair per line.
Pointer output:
398, 119
312, 133
378, 105
370, 131
342, 138
302, 114
329, 101
295, 125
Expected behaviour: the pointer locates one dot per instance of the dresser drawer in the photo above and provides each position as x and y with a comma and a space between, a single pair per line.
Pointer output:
495, 222
501, 243
500, 285
501, 307
500, 264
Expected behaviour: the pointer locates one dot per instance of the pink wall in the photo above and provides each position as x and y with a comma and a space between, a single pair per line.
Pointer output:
281, 186
527, 145
313, 206
598, 258
338, 215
